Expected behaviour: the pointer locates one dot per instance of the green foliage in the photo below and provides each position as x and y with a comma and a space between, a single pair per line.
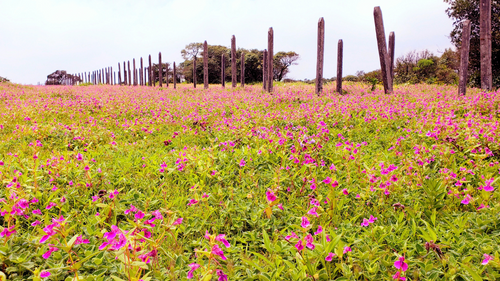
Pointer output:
3, 80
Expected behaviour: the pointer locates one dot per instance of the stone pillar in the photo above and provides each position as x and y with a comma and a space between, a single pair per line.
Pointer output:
151, 81
160, 70
392, 39
485, 44
129, 75
175, 76
233, 62
205, 65
270, 58
242, 70
264, 70
223, 71
340, 55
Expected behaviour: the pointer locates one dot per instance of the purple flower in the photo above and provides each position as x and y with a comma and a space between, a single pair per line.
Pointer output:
221, 238
329, 257
178, 221
242, 163
44, 274
309, 241
293, 235
216, 250
466, 200
139, 215
345, 191
487, 186
398, 276
47, 254
222, 276
313, 212
51, 204
365, 223
299, 246
192, 267
346, 250
320, 229
6, 232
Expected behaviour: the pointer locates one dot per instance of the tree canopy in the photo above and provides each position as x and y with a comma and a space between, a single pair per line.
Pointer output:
253, 63
460, 10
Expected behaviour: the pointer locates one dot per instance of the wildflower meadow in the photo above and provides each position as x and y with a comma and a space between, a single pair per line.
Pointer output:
147, 183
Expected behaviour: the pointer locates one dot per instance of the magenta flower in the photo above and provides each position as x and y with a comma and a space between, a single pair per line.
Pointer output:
131, 209
299, 246
309, 241
320, 229
487, 186
293, 235
37, 212
221, 238
222, 276
365, 223
178, 221
192, 267
400, 264
398, 276
35, 223
487, 259
47, 254
305, 222
242, 163
346, 250
328, 180
345, 191
313, 212
7, 232
192, 202
270, 195
216, 250
466, 200
139, 215
23, 204
51, 204
329, 257
44, 274
80, 240
372, 219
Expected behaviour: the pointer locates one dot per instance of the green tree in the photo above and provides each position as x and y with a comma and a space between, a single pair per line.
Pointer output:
282, 63
460, 10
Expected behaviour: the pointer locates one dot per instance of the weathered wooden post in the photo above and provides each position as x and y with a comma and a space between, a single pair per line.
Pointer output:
270, 58
134, 73
340, 55
242, 70
124, 74
166, 75
382, 49
194, 71
142, 73
234, 81
485, 44
392, 42
464, 58
160, 70
111, 74
119, 75
114, 76
205, 65
264, 70
150, 72
223, 71
321, 56
175, 76
129, 75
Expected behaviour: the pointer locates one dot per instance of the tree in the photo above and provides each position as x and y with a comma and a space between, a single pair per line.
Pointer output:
460, 10
166, 71
3, 79
282, 62
253, 63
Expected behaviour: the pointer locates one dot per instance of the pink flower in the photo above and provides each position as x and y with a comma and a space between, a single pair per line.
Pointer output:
37, 212
293, 235
345, 191
51, 204
335, 184
365, 223
398, 276
299, 246
242, 163
192, 202
372, 219
346, 250
80, 240
320, 229
270, 195
309, 241
131, 209
487, 259
313, 212
216, 250
305, 222
466, 200
222, 276
329, 257
47, 254
221, 238
487, 186
280, 206
178, 221
44, 274
192, 267
35, 223
328, 180
6, 232
400, 264
139, 215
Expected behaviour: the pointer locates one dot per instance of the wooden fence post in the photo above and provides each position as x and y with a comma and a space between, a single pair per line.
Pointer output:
391, 51
270, 59
382, 49
114, 76
194, 71
119, 75
264, 70
242, 70
485, 44
340, 56
223, 71
160, 70
321, 56
129, 75
142, 73
464, 58
175, 76
150, 73
233, 62
205, 65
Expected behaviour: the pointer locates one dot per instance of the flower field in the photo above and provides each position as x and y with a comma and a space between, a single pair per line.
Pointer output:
140, 183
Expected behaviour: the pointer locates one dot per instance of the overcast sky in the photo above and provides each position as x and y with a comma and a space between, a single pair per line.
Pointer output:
38, 37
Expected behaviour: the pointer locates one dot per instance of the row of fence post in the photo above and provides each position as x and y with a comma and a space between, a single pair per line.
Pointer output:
386, 55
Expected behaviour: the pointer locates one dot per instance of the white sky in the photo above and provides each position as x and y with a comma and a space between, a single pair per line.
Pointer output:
38, 37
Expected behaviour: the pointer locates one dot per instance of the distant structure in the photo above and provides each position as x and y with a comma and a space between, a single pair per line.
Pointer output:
60, 77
